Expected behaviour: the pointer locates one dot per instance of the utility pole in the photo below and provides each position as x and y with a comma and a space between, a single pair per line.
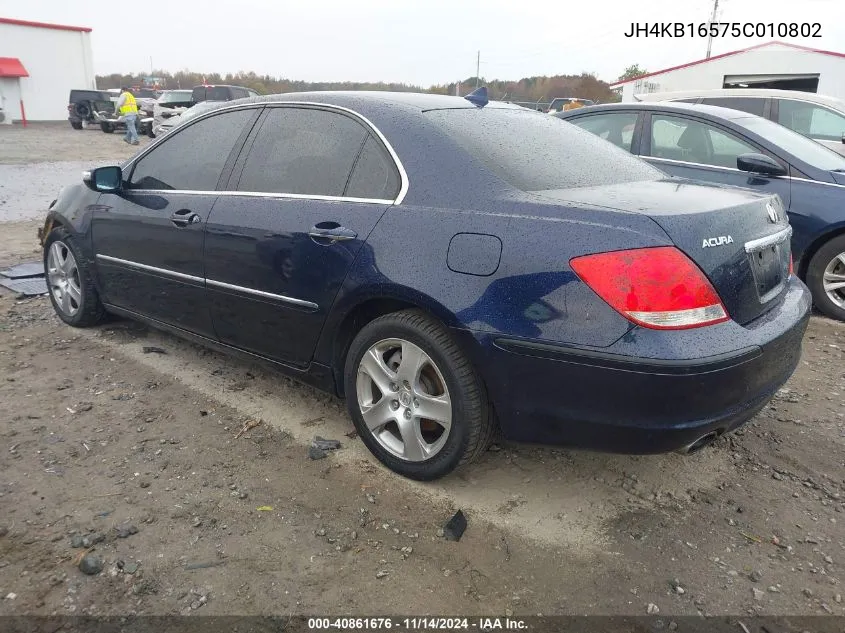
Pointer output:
478, 66
712, 19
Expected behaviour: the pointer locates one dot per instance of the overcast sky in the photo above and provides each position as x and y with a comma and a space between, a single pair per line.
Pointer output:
413, 41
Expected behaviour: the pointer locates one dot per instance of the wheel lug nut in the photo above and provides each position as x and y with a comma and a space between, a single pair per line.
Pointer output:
394, 386
416, 403
407, 384
394, 404
407, 414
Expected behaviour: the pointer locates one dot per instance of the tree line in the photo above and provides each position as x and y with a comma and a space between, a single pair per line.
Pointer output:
526, 90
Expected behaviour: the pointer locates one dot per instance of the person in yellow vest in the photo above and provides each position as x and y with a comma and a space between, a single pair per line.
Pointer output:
127, 109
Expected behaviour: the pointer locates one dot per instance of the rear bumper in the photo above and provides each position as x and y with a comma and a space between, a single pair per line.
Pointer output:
650, 392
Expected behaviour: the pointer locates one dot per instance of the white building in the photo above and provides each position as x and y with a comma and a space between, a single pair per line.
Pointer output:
39, 65
772, 65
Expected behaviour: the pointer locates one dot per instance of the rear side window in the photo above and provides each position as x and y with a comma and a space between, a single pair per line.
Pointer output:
616, 127
218, 93
536, 152
746, 104
375, 174
303, 151
191, 158
811, 120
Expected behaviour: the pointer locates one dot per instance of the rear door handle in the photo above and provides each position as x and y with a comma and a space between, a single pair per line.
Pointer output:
331, 232
184, 217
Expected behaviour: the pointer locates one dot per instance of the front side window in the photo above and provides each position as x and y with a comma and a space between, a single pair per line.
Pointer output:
192, 158
303, 151
811, 120
616, 127
687, 140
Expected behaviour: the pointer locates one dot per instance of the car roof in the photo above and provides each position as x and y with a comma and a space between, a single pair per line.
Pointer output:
663, 106
759, 93
355, 98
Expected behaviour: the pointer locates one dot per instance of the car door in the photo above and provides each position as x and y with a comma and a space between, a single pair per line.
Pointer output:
148, 237
820, 123
695, 148
307, 191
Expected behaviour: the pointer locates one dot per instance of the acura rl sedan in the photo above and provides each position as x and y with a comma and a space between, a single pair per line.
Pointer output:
451, 266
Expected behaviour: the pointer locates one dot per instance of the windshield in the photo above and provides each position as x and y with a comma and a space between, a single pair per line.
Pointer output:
537, 152
801, 147
175, 95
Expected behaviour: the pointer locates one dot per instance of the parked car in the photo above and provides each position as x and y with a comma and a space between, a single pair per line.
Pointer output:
177, 119
86, 107
170, 103
730, 147
220, 93
448, 265
815, 116
568, 103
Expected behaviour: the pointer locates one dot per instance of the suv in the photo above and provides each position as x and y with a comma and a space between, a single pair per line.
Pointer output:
818, 117
85, 106
220, 93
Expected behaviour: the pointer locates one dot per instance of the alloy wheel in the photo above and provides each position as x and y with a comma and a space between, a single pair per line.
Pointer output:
834, 280
63, 278
404, 400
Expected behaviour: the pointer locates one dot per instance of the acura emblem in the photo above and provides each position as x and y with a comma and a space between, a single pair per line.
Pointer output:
773, 214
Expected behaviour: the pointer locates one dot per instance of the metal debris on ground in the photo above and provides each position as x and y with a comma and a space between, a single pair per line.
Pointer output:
315, 452
27, 269
152, 349
29, 287
324, 444
248, 426
454, 529
204, 565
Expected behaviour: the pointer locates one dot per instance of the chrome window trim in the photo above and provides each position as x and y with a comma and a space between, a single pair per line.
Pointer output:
817, 182
369, 125
151, 269
770, 240
687, 162
266, 295
301, 303
261, 194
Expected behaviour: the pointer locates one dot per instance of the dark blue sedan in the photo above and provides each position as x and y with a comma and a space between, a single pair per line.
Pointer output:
727, 146
449, 266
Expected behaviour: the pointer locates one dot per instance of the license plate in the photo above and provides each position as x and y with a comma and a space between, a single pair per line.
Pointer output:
768, 268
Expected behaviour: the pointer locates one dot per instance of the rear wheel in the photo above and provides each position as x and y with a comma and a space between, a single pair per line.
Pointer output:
69, 281
826, 278
416, 400
108, 128
76, 125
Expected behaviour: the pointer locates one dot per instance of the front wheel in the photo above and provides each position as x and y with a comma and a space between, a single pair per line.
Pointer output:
69, 281
415, 399
826, 278
108, 128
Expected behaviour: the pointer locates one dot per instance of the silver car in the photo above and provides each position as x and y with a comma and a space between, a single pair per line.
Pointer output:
168, 124
171, 103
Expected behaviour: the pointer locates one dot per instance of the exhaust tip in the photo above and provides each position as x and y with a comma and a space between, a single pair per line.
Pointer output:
701, 442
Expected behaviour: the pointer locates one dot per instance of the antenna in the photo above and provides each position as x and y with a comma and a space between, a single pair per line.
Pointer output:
478, 97
712, 19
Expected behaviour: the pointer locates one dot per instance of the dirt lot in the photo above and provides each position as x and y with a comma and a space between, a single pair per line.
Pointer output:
104, 440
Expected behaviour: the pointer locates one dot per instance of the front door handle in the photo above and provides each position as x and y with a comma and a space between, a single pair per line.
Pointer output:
184, 217
331, 232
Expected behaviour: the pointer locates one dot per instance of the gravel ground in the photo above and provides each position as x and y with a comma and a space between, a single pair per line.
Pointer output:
103, 436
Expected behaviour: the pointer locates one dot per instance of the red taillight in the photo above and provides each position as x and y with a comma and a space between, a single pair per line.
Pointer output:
659, 288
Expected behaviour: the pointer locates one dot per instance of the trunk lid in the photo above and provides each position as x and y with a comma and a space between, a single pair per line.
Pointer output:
739, 238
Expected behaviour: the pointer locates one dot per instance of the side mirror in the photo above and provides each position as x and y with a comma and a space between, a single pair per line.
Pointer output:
759, 164
104, 179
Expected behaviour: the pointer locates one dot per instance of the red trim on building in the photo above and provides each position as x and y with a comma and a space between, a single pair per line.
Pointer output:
45, 25
12, 67
806, 49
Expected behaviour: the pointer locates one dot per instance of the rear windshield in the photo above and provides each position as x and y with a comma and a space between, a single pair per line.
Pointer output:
537, 152
801, 147
175, 95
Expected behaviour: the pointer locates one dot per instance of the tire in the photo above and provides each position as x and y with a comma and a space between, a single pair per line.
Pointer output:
443, 377
828, 262
108, 128
85, 308
82, 110
76, 125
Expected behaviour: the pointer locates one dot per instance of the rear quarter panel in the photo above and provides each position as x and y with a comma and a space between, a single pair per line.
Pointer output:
817, 213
